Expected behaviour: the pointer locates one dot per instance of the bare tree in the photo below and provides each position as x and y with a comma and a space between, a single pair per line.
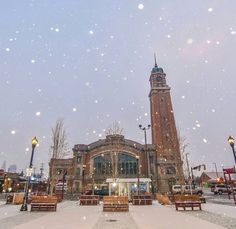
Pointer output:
59, 148
115, 129
182, 146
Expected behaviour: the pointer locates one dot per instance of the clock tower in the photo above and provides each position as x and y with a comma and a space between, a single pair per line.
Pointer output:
164, 135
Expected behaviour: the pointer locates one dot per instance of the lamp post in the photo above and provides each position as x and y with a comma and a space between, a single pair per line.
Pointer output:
24, 206
63, 183
93, 174
138, 174
145, 142
189, 177
231, 142
83, 171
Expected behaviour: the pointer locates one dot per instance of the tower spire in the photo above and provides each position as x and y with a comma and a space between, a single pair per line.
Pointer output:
155, 59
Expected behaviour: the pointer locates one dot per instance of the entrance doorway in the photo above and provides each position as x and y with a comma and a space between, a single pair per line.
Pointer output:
128, 186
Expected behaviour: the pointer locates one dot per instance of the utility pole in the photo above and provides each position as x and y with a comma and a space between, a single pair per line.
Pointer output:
188, 166
189, 177
144, 129
41, 169
216, 169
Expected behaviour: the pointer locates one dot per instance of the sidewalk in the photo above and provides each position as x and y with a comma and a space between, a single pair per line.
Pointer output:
70, 215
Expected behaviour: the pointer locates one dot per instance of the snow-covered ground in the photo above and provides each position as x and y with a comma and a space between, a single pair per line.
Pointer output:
220, 209
71, 215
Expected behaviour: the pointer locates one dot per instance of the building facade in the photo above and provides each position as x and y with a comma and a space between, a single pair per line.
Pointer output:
109, 161
118, 164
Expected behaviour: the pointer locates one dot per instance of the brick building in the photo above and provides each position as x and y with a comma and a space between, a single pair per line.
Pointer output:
113, 162
164, 135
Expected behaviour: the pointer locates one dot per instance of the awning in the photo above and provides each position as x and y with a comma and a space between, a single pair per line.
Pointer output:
128, 180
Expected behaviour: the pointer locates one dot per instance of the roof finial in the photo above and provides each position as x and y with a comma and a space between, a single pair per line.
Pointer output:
155, 60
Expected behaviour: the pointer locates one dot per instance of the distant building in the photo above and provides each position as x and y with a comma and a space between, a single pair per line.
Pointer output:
213, 177
12, 168
3, 165
207, 177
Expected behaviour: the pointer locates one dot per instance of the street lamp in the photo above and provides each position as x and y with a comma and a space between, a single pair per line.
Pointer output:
24, 206
93, 174
83, 171
145, 141
63, 183
138, 173
231, 142
189, 177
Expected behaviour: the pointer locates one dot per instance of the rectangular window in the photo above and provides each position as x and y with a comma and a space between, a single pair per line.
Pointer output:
78, 171
79, 160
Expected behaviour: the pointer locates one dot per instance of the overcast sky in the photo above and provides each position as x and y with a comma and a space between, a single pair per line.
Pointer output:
89, 62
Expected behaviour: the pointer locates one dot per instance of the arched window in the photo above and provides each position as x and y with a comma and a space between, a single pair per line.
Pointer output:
103, 165
127, 165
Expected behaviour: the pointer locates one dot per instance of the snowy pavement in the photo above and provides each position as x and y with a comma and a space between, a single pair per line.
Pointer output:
71, 215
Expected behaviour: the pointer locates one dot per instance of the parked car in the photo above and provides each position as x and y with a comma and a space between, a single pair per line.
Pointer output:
186, 189
220, 189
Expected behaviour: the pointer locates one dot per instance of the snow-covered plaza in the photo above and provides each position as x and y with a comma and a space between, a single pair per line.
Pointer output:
71, 215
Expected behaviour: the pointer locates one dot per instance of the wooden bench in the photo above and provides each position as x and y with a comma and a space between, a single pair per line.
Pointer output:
187, 202
142, 200
44, 203
115, 203
89, 199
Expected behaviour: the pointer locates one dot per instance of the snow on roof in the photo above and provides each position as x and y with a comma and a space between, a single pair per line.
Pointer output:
213, 175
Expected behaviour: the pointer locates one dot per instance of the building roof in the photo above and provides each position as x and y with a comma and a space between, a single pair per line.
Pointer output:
112, 140
213, 175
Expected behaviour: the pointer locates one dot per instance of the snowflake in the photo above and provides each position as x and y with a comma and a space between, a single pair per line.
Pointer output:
26, 149
210, 9
57, 30
91, 32
204, 140
190, 41
140, 6
145, 114
32, 61
7, 49
74, 109
38, 113
13, 132
213, 110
